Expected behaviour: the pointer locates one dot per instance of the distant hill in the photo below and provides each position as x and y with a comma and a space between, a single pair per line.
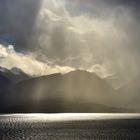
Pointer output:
76, 91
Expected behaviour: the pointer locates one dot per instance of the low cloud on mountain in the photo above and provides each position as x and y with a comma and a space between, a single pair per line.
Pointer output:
62, 34
10, 58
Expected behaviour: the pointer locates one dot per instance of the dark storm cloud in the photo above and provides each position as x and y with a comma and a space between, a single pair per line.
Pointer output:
17, 19
133, 5
100, 7
76, 33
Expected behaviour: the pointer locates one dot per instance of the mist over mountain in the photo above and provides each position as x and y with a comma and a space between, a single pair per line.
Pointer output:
76, 91
130, 93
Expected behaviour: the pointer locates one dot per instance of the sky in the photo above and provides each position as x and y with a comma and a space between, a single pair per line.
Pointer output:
49, 36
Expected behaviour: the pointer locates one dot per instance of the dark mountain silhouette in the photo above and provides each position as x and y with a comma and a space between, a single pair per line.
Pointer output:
15, 75
77, 91
4, 83
7, 80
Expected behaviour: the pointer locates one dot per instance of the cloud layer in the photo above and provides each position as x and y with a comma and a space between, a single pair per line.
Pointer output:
95, 35
10, 58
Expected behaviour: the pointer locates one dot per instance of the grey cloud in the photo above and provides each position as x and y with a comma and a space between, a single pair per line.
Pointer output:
101, 8
77, 33
18, 19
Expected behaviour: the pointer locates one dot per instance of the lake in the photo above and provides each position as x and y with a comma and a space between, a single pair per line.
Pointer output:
70, 126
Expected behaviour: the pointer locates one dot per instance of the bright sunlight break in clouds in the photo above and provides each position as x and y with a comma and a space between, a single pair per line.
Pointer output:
10, 58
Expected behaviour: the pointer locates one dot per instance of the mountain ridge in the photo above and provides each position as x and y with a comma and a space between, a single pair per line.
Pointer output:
14, 74
76, 91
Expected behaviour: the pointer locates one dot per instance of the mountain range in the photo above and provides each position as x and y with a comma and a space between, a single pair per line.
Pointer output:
76, 91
